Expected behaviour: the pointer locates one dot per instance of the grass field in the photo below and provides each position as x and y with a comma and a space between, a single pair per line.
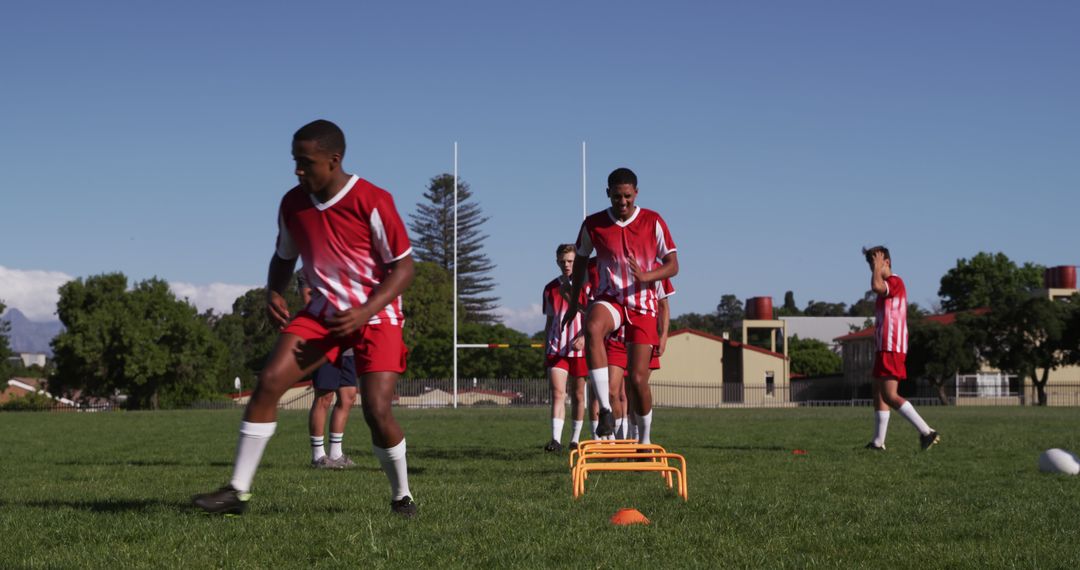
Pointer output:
111, 490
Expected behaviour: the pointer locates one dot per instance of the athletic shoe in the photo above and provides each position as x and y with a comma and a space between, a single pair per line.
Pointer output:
873, 447
342, 462
553, 446
573, 445
225, 501
323, 462
606, 426
404, 507
929, 439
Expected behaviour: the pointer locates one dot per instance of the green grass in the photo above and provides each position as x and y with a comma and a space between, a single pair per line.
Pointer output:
111, 490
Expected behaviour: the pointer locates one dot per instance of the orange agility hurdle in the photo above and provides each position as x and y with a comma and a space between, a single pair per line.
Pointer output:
656, 462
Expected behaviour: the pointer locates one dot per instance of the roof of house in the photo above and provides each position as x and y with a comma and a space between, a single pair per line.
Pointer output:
727, 341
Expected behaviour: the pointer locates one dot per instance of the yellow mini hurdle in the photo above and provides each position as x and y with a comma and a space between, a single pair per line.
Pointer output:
612, 455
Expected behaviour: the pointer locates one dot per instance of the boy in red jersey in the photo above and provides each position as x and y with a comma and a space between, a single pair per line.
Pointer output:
626, 423
633, 249
564, 355
891, 337
357, 260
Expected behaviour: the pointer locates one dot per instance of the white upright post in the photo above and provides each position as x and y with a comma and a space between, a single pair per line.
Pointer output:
455, 275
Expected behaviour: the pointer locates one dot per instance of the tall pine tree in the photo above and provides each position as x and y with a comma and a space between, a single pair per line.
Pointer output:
433, 240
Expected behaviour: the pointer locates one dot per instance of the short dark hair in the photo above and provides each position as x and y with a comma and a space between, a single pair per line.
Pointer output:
869, 252
327, 135
563, 249
621, 176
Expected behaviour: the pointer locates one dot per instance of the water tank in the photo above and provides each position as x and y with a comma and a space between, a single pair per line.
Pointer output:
1065, 277
759, 308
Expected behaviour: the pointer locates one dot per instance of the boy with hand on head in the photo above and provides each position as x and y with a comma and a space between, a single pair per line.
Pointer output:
633, 249
357, 260
564, 356
891, 337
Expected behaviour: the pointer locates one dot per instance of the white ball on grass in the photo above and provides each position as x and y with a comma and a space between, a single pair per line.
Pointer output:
1059, 461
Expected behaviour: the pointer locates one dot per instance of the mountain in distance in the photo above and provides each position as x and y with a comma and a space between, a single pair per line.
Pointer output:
30, 336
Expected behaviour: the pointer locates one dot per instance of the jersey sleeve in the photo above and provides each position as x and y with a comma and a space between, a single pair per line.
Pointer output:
895, 287
664, 243
388, 234
549, 309
286, 248
584, 243
665, 289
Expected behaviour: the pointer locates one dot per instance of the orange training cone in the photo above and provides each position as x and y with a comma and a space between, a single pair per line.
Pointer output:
624, 517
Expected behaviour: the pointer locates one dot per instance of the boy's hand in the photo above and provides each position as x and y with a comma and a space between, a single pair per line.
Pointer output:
636, 270
277, 309
578, 343
878, 260
344, 323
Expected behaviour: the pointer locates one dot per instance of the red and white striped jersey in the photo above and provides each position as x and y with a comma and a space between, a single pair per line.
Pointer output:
890, 319
346, 245
644, 236
556, 302
664, 289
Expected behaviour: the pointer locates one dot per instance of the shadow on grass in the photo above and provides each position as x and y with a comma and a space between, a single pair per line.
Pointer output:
747, 447
107, 506
462, 453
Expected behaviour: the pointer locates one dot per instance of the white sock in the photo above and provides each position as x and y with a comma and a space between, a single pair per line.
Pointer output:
335, 444
645, 428
556, 429
599, 379
249, 450
393, 464
882, 427
594, 423
631, 426
576, 437
317, 450
909, 413
619, 425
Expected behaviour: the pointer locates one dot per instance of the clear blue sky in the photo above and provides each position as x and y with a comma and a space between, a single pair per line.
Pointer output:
776, 138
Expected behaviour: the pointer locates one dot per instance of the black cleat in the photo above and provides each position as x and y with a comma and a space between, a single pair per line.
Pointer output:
873, 447
926, 441
404, 507
553, 446
573, 445
225, 501
606, 425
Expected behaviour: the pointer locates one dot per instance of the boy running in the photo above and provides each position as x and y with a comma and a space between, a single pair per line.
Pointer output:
891, 336
357, 259
633, 248
564, 356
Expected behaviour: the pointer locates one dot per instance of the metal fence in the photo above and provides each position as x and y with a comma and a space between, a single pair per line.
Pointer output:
535, 392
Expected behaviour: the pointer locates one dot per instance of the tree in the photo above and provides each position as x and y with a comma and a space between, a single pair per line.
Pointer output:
938, 352
984, 280
811, 357
864, 307
1028, 336
728, 313
825, 309
789, 308
5, 350
247, 333
697, 321
143, 343
428, 329
433, 240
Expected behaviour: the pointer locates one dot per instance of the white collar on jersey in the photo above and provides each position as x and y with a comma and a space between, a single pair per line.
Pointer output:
633, 216
337, 197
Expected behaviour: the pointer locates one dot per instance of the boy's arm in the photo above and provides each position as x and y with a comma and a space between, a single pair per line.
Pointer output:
345, 322
577, 280
668, 268
877, 279
663, 324
277, 280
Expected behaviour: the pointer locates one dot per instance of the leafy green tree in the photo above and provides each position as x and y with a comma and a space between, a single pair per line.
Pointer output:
144, 343
1028, 336
5, 349
429, 322
825, 309
248, 334
811, 357
789, 308
518, 362
432, 226
984, 280
697, 321
938, 352
729, 312
864, 307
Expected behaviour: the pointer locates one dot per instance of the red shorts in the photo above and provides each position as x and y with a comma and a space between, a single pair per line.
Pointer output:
639, 327
890, 365
575, 366
616, 355
376, 348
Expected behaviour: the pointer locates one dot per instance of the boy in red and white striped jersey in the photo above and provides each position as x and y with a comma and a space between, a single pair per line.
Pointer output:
891, 338
633, 249
357, 260
563, 351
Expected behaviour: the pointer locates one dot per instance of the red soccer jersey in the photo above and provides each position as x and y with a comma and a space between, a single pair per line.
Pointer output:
346, 245
664, 289
556, 302
644, 236
890, 319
